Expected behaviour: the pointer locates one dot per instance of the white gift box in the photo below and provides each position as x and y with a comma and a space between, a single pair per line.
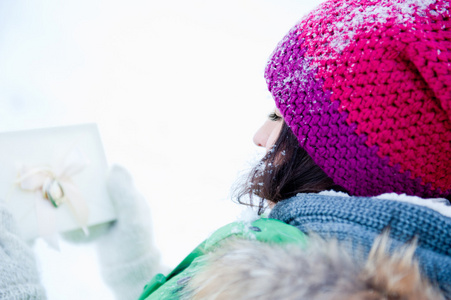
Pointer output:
61, 164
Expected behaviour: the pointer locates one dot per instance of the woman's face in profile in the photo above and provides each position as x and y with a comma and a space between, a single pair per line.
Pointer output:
268, 133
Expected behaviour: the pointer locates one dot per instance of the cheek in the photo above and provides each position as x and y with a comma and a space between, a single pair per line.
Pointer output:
271, 141
275, 132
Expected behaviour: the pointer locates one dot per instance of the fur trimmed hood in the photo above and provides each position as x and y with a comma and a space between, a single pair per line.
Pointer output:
321, 247
322, 270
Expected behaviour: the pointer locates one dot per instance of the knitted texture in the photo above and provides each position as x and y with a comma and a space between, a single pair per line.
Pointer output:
19, 276
361, 219
127, 255
366, 88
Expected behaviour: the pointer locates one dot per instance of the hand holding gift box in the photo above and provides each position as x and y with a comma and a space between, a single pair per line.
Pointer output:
55, 180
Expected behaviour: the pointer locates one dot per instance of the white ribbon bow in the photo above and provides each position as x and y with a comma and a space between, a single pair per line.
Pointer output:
54, 187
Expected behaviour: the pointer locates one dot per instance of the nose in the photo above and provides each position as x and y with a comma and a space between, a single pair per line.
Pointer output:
261, 136
258, 139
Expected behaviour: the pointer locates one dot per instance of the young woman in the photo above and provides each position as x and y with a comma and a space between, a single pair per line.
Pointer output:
363, 97
358, 145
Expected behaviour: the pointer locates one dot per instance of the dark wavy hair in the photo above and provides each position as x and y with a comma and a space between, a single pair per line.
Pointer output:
283, 172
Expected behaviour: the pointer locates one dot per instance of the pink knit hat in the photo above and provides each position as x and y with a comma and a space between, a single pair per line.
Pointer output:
366, 88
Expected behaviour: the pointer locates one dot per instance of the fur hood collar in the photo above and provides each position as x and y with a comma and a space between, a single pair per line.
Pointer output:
324, 270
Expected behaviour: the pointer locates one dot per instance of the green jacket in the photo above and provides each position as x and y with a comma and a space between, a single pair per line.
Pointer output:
264, 230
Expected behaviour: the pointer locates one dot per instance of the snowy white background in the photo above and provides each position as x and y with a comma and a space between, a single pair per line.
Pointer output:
176, 88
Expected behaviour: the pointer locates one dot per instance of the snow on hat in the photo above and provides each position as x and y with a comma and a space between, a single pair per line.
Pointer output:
365, 85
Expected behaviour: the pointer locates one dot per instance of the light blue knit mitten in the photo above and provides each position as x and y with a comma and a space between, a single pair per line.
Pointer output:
19, 277
125, 248
127, 254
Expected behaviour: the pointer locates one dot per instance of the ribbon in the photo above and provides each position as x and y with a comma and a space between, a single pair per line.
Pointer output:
54, 187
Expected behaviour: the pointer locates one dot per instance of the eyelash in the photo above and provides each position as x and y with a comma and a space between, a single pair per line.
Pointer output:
274, 117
